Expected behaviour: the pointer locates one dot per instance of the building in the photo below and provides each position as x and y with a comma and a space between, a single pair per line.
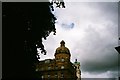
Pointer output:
78, 72
118, 47
60, 67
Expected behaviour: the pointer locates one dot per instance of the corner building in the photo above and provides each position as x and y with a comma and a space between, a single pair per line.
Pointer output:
59, 68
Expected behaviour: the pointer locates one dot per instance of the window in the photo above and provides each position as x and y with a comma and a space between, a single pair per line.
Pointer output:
49, 67
56, 67
62, 67
48, 75
56, 75
36, 69
62, 51
62, 60
41, 69
62, 75
42, 76
75, 67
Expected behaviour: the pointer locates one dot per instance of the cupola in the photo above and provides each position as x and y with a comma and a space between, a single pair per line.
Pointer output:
62, 51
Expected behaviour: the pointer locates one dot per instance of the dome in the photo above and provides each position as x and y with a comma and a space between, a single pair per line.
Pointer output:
62, 49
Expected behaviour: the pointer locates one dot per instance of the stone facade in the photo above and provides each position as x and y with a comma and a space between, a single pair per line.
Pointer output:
58, 68
78, 72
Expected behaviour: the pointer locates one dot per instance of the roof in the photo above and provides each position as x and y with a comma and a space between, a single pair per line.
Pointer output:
62, 49
76, 63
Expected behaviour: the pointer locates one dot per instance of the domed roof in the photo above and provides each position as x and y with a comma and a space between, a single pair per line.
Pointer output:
62, 49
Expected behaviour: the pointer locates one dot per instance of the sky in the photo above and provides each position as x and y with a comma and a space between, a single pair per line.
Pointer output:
90, 31
64, 0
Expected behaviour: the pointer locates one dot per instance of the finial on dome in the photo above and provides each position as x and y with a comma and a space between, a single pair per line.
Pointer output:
75, 60
62, 43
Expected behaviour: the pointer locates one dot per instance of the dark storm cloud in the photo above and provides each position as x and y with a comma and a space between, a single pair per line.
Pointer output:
100, 52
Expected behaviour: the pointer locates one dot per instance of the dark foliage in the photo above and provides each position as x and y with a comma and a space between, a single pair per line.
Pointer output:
59, 4
24, 24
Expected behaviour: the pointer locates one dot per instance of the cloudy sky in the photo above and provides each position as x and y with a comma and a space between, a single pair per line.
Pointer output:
90, 30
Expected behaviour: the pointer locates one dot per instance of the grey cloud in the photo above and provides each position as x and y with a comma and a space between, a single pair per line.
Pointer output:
108, 9
98, 51
93, 40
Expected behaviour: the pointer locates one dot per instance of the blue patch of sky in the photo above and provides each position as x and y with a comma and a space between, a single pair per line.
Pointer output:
68, 26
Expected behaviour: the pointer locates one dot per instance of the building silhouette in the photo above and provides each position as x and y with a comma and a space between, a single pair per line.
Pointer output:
59, 68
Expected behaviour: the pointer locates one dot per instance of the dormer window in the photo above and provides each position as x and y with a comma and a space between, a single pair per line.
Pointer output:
62, 67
